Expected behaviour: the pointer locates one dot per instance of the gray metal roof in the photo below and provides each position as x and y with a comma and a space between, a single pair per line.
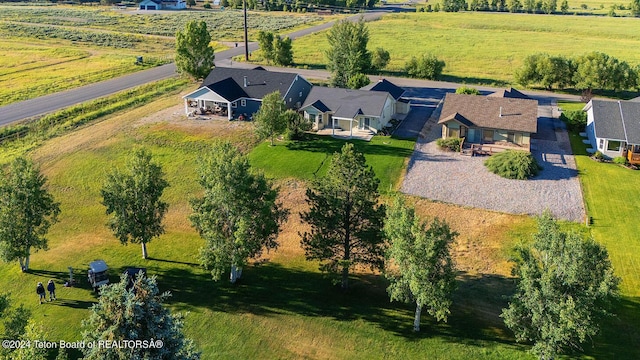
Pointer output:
347, 103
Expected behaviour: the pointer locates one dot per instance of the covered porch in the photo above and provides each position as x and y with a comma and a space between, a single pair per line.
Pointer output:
205, 102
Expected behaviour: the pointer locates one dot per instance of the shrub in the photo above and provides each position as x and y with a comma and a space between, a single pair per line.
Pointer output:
207, 5
513, 164
598, 156
576, 120
467, 90
425, 67
357, 81
451, 144
621, 160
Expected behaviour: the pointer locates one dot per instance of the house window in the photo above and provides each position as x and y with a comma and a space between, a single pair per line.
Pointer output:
601, 146
243, 102
487, 135
613, 145
453, 133
234, 104
312, 118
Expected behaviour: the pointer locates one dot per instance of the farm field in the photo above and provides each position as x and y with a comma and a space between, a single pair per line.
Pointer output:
486, 48
75, 46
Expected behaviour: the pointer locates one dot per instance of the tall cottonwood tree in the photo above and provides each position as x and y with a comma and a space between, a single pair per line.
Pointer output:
238, 216
27, 211
564, 285
346, 220
133, 314
132, 198
194, 53
348, 55
419, 264
270, 120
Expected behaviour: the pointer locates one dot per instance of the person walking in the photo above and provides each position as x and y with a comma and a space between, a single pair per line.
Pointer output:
40, 292
51, 286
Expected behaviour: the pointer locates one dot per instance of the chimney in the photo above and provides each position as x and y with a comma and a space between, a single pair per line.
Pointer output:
245, 81
500, 111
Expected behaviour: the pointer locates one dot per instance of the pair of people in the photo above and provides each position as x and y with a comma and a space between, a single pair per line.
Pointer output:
51, 287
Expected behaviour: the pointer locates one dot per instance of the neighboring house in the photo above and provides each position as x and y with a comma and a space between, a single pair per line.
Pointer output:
613, 128
347, 109
401, 105
162, 5
510, 93
503, 121
234, 92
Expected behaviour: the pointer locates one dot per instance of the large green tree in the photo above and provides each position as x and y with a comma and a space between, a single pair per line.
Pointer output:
238, 216
27, 211
564, 285
346, 220
348, 55
419, 264
132, 198
282, 51
194, 53
265, 42
270, 120
596, 70
135, 314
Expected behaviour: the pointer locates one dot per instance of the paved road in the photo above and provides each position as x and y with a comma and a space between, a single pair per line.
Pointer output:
49, 103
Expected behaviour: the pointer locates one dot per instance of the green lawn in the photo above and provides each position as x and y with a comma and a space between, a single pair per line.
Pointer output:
486, 48
307, 159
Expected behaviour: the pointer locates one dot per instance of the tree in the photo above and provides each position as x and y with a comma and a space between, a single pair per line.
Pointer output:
191, 3
357, 81
564, 7
348, 55
425, 67
27, 210
467, 90
133, 199
296, 124
270, 120
238, 216
419, 264
549, 6
31, 332
634, 6
597, 70
564, 285
15, 322
514, 5
135, 314
265, 41
453, 5
380, 58
546, 70
194, 54
282, 52
346, 222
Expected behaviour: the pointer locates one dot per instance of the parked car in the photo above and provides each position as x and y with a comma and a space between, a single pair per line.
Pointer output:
97, 274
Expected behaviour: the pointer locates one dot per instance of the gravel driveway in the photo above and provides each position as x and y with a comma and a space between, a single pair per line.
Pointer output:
464, 180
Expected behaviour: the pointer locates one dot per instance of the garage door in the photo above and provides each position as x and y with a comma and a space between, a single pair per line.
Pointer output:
151, 7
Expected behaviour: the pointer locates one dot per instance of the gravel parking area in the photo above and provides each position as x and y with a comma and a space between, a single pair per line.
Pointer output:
464, 180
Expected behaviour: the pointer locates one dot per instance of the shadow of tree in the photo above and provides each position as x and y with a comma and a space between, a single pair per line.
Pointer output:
329, 145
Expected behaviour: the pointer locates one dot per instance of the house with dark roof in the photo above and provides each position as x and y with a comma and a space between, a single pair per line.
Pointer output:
401, 105
509, 93
348, 109
613, 128
234, 92
503, 122
162, 5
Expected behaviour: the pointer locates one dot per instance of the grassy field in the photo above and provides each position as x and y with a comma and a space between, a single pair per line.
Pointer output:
307, 159
486, 48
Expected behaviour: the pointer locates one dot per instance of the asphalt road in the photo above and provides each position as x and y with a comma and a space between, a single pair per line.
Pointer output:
50, 103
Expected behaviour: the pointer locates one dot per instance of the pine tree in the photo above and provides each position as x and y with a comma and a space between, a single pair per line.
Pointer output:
346, 220
135, 314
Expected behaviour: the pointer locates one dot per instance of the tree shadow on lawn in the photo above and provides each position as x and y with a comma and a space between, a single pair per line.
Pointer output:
619, 336
330, 145
57, 276
270, 289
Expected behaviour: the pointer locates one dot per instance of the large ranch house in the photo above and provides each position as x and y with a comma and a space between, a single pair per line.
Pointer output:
504, 120
233, 92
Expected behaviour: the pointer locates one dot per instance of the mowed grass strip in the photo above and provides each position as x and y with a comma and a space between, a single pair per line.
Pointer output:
486, 48
310, 158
